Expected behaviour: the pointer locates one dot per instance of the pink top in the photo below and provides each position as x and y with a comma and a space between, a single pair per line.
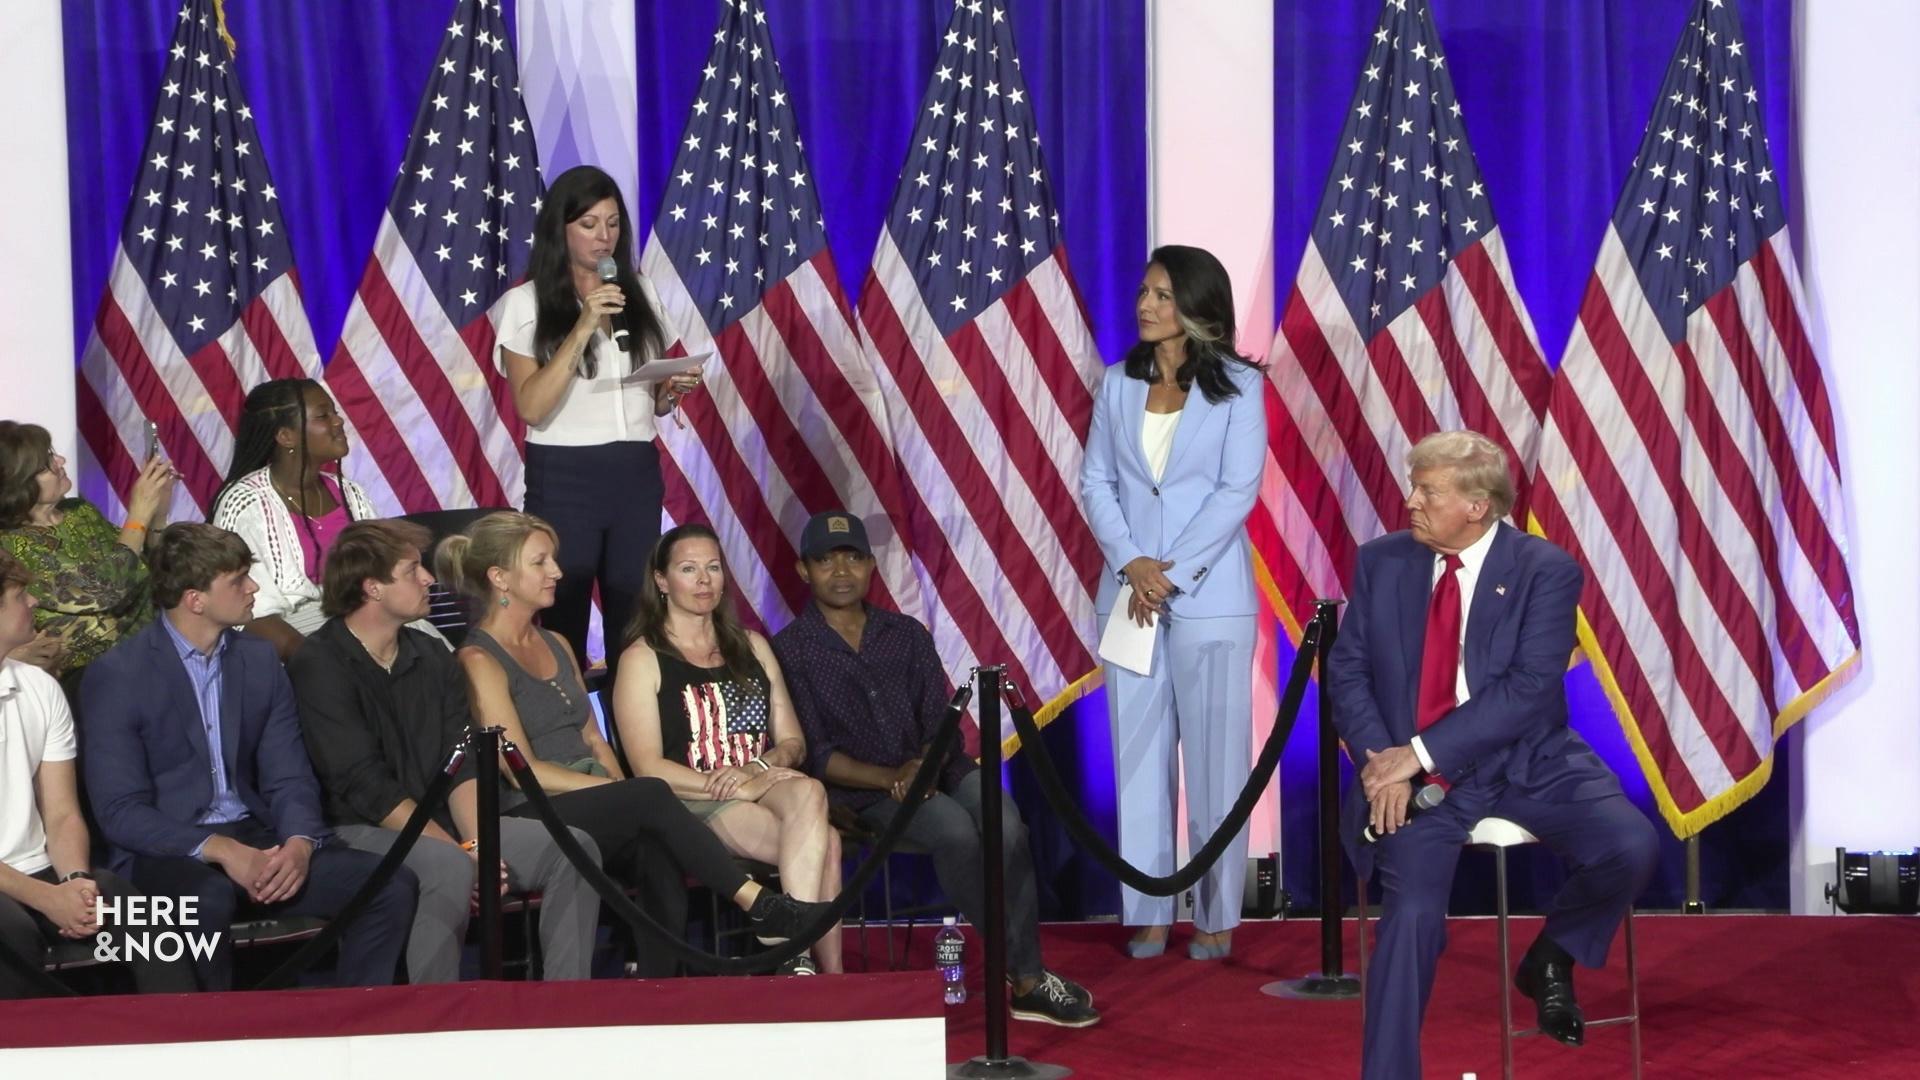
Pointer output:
325, 528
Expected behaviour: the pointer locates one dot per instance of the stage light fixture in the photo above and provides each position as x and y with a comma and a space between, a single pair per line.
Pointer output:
1876, 882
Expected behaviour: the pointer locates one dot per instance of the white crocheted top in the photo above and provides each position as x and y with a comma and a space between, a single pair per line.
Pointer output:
252, 509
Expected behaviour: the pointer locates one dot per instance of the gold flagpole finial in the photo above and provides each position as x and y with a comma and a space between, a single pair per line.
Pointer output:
220, 21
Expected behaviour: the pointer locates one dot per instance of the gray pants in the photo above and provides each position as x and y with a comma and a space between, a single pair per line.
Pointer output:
948, 826
569, 910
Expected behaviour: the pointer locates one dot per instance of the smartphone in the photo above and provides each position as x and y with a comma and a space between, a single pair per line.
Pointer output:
153, 441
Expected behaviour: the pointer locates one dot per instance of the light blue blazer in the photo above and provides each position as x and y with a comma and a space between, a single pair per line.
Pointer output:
1196, 515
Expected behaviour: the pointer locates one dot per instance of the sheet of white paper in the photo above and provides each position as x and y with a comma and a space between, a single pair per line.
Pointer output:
666, 368
1125, 643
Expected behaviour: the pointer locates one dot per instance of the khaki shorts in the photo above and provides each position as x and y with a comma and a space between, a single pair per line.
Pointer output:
708, 809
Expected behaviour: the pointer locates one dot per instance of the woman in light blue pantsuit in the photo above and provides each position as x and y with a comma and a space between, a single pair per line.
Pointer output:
1169, 478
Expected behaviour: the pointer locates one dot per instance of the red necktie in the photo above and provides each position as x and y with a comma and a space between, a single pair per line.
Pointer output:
1440, 654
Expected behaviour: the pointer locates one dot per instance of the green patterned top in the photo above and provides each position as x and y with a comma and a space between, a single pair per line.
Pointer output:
93, 591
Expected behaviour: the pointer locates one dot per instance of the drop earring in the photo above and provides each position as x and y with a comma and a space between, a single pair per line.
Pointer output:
503, 599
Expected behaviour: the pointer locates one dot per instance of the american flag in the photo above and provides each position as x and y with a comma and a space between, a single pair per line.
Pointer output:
973, 326
1689, 459
726, 724
433, 419
1403, 321
202, 301
789, 421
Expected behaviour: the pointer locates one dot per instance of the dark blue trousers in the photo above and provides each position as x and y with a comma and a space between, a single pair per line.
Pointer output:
371, 946
604, 502
1610, 848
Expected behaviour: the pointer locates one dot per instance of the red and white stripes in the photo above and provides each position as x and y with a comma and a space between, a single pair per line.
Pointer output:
788, 424
1343, 410
989, 426
433, 423
1698, 483
133, 371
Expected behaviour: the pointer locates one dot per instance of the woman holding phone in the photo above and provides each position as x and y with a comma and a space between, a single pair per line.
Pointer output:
571, 337
88, 574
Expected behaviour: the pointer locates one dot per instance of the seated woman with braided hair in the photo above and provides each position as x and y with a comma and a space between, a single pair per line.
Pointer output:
526, 680
282, 498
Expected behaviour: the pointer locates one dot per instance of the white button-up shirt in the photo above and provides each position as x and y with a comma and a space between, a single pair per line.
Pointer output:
607, 408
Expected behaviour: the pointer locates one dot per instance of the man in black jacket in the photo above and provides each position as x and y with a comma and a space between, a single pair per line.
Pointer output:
381, 706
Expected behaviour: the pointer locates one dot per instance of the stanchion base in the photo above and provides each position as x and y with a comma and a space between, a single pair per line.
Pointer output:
1315, 987
1012, 1068
1695, 907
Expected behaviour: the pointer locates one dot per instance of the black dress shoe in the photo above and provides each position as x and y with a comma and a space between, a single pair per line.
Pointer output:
1550, 985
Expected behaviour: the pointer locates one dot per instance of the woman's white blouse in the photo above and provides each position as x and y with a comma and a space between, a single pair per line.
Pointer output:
1156, 438
603, 409
254, 511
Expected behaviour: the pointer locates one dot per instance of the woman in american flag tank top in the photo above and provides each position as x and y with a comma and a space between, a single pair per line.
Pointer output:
699, 703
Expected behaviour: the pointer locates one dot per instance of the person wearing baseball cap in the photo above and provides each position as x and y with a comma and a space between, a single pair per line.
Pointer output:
870, 691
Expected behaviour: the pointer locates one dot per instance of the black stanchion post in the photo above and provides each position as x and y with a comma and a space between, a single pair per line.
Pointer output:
1330, 983
1693, 904
484, 743
996, 1063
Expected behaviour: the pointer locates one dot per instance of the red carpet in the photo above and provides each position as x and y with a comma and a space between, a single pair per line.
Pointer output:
1721, 996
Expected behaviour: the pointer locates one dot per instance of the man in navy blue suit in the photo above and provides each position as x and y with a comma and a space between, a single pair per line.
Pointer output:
200, 779
1449, 670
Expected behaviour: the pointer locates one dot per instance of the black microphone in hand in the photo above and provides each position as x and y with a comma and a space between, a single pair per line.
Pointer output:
1425, 797
610, 272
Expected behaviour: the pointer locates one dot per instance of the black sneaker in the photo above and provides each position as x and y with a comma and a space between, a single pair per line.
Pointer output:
1080, 993
1053, 1001
777, 916
799, 965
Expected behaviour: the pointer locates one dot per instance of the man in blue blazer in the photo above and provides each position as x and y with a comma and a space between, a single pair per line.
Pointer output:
1481, 710
199, 777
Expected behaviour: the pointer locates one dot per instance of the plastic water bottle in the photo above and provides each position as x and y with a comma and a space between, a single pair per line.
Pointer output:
950, 959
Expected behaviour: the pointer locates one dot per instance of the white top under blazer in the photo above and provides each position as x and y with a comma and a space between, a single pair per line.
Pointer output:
1156, 440
593, 411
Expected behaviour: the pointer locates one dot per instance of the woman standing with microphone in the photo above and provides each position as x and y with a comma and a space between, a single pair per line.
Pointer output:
571, 336
1171, 472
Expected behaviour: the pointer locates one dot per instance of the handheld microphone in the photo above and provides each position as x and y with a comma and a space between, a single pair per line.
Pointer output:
610, 271
1425, 797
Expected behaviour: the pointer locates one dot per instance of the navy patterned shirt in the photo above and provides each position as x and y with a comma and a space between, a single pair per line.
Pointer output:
880, 705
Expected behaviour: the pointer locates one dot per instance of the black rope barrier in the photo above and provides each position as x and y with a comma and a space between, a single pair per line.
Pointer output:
623, 907
1202, 861
283, 976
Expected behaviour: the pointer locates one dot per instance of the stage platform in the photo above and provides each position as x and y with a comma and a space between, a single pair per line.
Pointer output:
1723, 996
874, 1027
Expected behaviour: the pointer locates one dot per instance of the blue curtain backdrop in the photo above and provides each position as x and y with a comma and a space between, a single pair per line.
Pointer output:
334, 87
1555, 94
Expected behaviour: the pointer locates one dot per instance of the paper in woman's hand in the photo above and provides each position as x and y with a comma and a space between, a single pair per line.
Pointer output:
1125, 643
666, 367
